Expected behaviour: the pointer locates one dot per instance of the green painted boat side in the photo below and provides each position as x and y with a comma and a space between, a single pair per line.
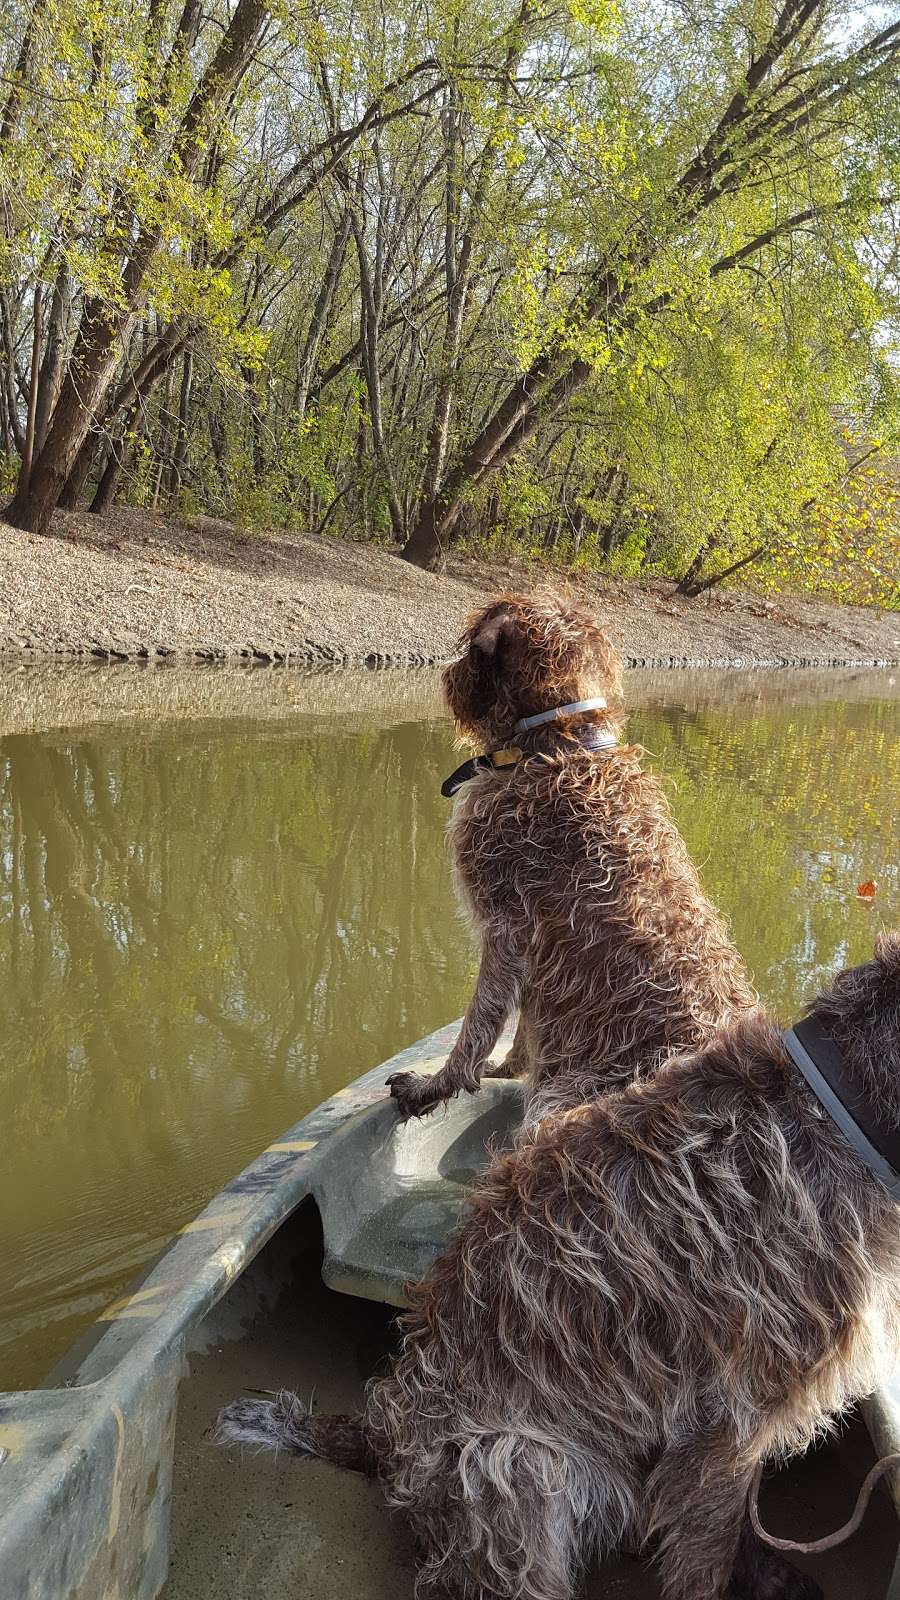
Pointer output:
85, 1480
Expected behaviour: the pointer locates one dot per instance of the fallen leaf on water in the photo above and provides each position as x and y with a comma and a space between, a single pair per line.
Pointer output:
866, 891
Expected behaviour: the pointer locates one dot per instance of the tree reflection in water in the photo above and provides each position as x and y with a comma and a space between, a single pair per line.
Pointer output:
203, 933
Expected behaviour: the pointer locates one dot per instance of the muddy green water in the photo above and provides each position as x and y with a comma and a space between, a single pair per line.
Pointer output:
209, 925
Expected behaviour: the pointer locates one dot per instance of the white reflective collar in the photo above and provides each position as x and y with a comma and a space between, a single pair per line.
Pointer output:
524, 723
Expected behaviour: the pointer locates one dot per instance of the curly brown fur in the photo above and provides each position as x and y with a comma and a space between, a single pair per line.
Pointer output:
659, 1290
591, 914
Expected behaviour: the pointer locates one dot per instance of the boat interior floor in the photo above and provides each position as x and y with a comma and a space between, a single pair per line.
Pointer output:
256, 1525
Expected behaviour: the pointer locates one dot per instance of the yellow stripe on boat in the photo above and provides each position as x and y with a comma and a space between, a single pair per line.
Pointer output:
135, 1305
218, 1219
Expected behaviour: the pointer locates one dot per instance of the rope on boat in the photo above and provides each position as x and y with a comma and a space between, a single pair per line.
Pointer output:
816, 1546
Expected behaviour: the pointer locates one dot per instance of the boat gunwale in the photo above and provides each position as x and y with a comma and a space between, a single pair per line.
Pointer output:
201, 1262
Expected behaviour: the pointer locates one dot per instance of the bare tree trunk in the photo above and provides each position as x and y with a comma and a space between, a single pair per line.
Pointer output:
456, 278
321, 310
256, 440
71, 491
54, 355
555, 527
613, 484
105, 492
94, 451
105, 331
696, 589
149, 370
372, 292
7, 445
458, 268
362, 439
694, 568
530, 401
9, 372
21, 73
37, 337
179, 454
164, 441
132, 430
140, 380
219, 443
536, 397
90, 374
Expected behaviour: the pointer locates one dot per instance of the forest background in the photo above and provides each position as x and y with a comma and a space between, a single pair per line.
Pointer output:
601, 280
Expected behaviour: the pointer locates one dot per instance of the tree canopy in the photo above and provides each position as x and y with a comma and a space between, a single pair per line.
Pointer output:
611, 279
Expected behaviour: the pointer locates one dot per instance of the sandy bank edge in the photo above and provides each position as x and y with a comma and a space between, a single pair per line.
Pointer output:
134, 586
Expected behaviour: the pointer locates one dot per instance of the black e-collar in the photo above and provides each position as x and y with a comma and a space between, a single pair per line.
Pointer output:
825, 1070
470, 769
590, 739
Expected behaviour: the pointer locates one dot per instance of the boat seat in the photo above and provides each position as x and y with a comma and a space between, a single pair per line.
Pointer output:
390, 1205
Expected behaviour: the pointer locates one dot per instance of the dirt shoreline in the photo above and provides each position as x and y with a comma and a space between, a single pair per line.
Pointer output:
134, 586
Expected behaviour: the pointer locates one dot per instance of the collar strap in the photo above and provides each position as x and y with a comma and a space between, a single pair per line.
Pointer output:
825, 1070
591, 739
471, 769
524, 723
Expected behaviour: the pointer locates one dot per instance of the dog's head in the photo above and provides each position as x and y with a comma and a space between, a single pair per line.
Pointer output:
861, 1010
528, 653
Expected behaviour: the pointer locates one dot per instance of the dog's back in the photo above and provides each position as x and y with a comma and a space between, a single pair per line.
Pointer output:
571, 858
659, 1290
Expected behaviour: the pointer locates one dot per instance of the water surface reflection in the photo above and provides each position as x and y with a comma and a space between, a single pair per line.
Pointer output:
207, 927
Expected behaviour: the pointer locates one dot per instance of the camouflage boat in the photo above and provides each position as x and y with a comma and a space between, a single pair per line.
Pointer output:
109, 1486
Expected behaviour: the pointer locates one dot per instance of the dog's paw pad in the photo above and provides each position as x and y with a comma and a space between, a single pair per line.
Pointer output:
414, 1095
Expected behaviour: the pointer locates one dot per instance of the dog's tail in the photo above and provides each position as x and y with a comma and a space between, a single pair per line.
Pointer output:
285, 1423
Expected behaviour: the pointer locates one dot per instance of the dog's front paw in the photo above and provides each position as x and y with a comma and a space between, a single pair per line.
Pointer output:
510, 1068
413, 1093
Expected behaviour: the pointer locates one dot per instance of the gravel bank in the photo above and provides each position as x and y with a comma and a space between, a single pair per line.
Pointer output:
137, 586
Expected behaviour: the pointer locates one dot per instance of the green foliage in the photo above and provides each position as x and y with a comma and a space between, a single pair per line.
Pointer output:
515, 181
8, 474
142, 471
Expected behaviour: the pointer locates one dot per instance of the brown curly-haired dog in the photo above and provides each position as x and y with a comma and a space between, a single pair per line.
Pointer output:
661, 1289
591, 914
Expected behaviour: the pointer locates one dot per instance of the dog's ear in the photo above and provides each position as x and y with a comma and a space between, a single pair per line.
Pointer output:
488, 637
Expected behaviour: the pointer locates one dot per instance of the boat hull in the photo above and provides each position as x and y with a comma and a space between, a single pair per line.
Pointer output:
86, 1480
86, 1473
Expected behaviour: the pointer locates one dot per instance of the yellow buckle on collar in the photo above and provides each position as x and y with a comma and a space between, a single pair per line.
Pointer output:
507, 757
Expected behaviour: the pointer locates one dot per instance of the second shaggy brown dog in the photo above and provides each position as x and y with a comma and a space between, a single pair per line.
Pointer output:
660, 1290
591, 914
